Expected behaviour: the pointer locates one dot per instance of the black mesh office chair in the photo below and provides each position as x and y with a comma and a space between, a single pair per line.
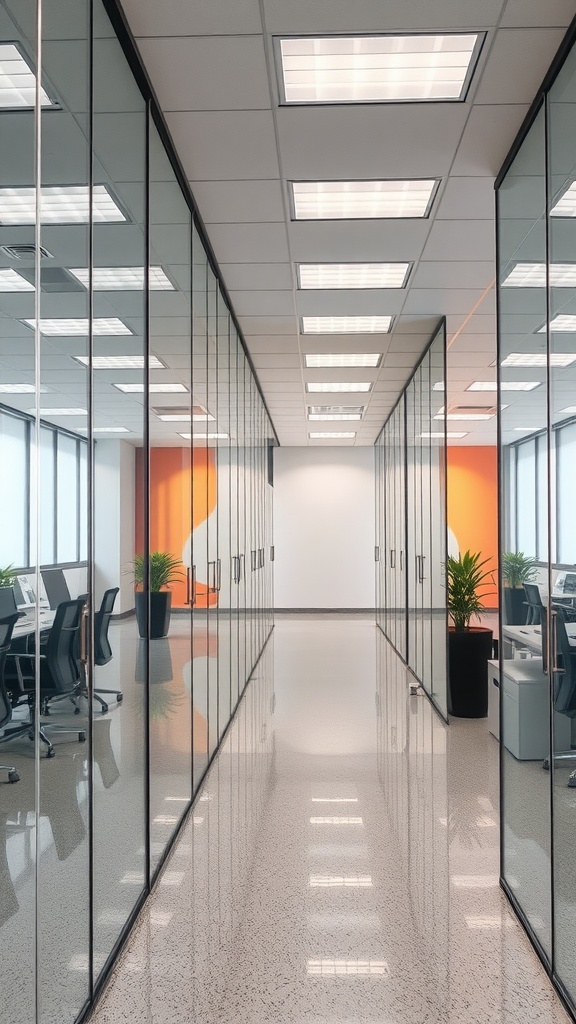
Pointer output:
102, 648
534, 604
6, 629
564, 683
59, 670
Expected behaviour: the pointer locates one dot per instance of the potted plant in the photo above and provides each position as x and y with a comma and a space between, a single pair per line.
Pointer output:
469, 647
517, 569
7, 577
163, 572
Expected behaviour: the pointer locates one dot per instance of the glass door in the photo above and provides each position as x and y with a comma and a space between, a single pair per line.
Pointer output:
438, 536
224, 514
209, 437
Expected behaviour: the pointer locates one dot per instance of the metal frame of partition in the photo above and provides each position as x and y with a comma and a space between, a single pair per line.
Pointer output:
539, 104
382, 512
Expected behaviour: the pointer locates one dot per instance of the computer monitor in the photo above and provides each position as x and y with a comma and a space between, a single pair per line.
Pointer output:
7, 602
55, 586
27, 591
570, 583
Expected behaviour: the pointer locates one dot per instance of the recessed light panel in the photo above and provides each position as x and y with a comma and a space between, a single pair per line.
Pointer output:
337, 386
539, 359
352, 275
329, 968
19, 389
505, 385
439, 434
18, 81
60, 412
465, 416
346, 324
206, 437
60, 204
562, 323
528, 430
570, 410
316, 416
336, 410
319, 360
138, 389
362, 200
376, 69
79, 326
317, 435
10, 281
566, 205
533, 275
109, 279
438, 386
110, 430
120, 362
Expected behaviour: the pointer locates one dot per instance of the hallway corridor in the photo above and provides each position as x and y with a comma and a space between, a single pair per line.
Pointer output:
341, 862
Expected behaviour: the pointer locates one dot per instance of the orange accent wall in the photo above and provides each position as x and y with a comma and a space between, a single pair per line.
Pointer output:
174, 503
473, 502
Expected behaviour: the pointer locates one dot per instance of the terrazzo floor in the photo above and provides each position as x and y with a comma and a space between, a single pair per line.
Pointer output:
341, 863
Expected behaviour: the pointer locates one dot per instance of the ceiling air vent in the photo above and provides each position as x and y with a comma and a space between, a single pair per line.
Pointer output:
25, 252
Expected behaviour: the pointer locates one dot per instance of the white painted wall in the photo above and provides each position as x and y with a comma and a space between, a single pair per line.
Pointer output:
324, 527
114, 519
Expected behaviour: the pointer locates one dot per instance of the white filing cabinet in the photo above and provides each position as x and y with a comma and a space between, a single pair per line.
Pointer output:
525, 708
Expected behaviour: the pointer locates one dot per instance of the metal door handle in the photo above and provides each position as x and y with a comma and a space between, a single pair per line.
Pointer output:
240, 567
212, 588
272, 553
402, 560
261, 558
188, 599
392, 558
219, 575
253, 560
377, 553
553, 645
84, 634
422, 560
193, 602
234, 568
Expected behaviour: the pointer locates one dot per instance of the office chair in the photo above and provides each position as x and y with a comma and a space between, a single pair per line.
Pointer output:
59, 671
534, 603
102, 649
6, 629
564, 683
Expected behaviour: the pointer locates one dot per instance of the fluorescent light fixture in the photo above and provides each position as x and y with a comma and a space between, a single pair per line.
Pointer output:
352, 275
340, 882
362, 200
376, 69
79, 326
334, 799
317, 435
336, 821
563, 323
570, 410
466, 416
344, 410
346, 324
438, 386
120, 362
533, 275
20, 389
539, 359
155, 389
206, 437
505, 385
372, 359
108, 279
329, 968
566, 205
326, 386
450, 434
110, 430
60, 412
316, 416
10, 281
18, 81
60, 204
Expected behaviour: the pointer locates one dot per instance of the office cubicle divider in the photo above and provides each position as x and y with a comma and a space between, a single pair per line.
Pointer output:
536, 239
411, 524
132, 424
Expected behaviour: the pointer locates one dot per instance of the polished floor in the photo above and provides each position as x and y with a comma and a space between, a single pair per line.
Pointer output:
341, 863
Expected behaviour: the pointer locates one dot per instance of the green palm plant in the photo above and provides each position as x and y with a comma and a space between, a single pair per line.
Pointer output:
468, 584
163, 567
518, 569
7, 576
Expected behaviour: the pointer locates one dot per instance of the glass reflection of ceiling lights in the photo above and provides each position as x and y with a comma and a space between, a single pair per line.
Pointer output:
121, 362
20, 389
317, 435
377, 68
533, 275
570, 410
60, 412
320, 360
505, 385
340, 881
106, 430
539, 359
108, 279
335, 412
206, 437
439, 434
60, 204
362, 200
565, 206
333, 820
326, 386
327, 967
562, 323
438, 386
334, 799
346, 324
11, 281
79, 326
472, 416
156, 389
352, 275
18, 81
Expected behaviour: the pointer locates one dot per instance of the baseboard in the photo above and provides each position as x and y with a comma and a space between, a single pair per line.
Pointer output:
325, 611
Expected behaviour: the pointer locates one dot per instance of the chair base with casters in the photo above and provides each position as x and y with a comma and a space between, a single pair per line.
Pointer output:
565, 755
12, 773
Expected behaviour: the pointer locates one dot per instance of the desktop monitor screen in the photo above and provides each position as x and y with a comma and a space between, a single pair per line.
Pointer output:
27, 591
570, 583
7, 602
55, 586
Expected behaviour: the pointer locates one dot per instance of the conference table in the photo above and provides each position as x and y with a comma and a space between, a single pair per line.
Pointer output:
26, 626
530, 637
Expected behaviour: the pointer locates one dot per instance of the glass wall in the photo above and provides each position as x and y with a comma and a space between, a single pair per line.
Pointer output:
136, 546
411, 524
537, 379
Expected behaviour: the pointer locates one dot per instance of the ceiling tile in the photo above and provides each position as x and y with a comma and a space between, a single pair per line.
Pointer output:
235, 202
360, 240
460, 240
471, 274
489, 134
442, 301
224, 145
377, 301
467, 198
180, 17
262, 303
257, 276
324, 16
509, 77
247, 243
524, 13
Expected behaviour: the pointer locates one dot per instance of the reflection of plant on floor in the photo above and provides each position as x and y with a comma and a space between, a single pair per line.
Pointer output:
164, 702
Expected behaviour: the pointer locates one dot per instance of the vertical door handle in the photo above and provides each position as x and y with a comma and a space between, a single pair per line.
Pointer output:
193, 602
84, 634
240, 567
418, 568
392, 558
234, 574
422, 560
253, 560
261, 558
212, 588
219, 574
555, 668
272, 552
377, 553
188, 598
402, 561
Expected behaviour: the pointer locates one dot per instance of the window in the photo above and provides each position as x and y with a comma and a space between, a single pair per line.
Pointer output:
15, 460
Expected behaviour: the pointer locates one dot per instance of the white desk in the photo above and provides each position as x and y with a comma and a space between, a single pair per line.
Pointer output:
530, 637
27, 625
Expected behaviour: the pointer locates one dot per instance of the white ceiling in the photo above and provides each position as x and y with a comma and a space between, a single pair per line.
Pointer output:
212, 66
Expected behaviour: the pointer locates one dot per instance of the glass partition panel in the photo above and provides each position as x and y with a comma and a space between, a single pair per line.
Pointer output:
524, 716
438, 477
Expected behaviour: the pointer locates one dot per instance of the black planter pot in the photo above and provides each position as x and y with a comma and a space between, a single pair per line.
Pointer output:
468, 656
514, 606
160, 607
